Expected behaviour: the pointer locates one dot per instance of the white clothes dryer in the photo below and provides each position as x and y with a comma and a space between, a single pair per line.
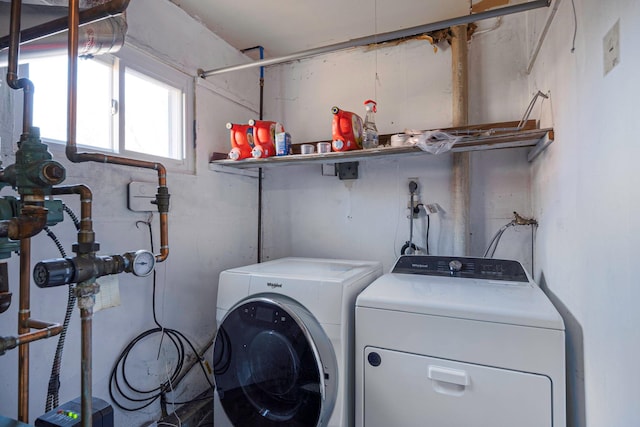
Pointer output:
283, 353
458, 342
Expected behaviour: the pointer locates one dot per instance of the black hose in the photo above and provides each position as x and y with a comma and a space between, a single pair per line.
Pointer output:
72, 215
53, 389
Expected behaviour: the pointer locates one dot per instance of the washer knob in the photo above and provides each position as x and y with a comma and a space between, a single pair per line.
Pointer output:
374, 359
455, 266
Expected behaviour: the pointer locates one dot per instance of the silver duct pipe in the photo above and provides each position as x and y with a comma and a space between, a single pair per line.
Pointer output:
385, 37
84, 4
94, 38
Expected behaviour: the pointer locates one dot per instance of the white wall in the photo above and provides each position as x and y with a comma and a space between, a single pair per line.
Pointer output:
313, 215
582, 190
585, 193
212, 226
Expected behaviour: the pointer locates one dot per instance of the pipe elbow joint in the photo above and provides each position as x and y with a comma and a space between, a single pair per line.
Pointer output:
72, 153
7, 343
31, 221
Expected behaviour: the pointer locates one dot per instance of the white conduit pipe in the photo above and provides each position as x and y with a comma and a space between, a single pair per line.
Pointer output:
543, 35
385, 37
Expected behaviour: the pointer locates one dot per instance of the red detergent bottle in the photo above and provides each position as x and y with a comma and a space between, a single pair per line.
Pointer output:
346, 130
241, 141
264, 137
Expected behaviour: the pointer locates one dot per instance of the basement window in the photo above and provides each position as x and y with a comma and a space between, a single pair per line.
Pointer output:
130, 105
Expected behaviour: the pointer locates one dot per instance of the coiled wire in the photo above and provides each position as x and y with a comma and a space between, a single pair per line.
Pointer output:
120, 383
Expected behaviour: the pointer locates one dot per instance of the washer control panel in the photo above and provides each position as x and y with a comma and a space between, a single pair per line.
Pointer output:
473, 268
256, 312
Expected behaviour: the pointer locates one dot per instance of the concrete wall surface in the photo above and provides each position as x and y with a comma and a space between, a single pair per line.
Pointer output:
585, 194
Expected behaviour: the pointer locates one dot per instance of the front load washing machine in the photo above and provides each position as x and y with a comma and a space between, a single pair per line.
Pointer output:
458, 342
283, 353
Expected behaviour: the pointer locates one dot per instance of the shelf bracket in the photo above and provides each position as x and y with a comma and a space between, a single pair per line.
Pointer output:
251, 173
540, 146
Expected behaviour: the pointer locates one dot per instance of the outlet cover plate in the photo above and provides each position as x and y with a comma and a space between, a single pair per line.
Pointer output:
141, 194
611, 48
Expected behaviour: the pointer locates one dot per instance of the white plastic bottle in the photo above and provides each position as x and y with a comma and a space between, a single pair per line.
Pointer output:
370, 132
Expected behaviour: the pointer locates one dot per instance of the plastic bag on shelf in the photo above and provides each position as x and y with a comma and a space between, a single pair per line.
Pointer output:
434, 142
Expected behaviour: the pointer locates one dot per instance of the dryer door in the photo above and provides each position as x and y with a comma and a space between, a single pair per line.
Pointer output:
274, 365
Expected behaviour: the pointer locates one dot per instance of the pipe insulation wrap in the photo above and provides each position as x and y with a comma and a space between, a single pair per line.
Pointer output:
94, 38
84, 4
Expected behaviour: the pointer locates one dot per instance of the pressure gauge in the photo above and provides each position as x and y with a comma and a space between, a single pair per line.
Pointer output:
143, 263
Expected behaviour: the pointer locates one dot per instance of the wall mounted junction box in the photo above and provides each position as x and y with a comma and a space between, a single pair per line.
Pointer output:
140, 196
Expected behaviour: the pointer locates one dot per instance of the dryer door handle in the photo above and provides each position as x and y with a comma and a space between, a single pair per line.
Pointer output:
448, 375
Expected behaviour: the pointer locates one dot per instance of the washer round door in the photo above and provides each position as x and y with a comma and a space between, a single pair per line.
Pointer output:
274, 365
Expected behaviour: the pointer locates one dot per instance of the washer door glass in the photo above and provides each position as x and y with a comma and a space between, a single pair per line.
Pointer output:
266, 367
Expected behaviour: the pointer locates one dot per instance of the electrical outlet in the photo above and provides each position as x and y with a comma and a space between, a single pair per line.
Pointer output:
415, 209
611, 48
413, 182
431, 208
414, 188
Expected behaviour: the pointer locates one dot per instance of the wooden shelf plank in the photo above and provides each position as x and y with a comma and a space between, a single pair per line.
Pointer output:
501, 140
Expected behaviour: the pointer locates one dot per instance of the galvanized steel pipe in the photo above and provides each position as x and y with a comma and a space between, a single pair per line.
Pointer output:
385, 37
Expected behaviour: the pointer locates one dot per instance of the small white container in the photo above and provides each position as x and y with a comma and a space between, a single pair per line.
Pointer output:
307, 149
283, 143
399, 140
324, 147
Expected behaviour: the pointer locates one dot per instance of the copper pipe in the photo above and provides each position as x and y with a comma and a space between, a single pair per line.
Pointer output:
85, 301
74, 156
72, 147
86, 315
46, 330
31, 221
39, 324
72, 76
23, 328
97, 13
12, 71
85, 232
164, 238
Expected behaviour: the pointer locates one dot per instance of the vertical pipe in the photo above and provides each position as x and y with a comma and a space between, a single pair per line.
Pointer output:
85, 303
86, 315
260, 169
12, 71
461, 161
23, 327
72, 78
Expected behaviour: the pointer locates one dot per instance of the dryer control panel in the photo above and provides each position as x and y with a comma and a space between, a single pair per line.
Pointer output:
465, 267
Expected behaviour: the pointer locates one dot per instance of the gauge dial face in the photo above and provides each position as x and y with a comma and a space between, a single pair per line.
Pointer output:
143, 263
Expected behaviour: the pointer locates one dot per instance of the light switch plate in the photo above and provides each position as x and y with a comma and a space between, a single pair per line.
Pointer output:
611, 48
141, 194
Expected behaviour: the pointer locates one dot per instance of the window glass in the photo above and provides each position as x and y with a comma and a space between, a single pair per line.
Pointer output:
152, 116
94, 121
132, 105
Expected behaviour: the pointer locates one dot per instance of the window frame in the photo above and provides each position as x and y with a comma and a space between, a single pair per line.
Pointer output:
143, 63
